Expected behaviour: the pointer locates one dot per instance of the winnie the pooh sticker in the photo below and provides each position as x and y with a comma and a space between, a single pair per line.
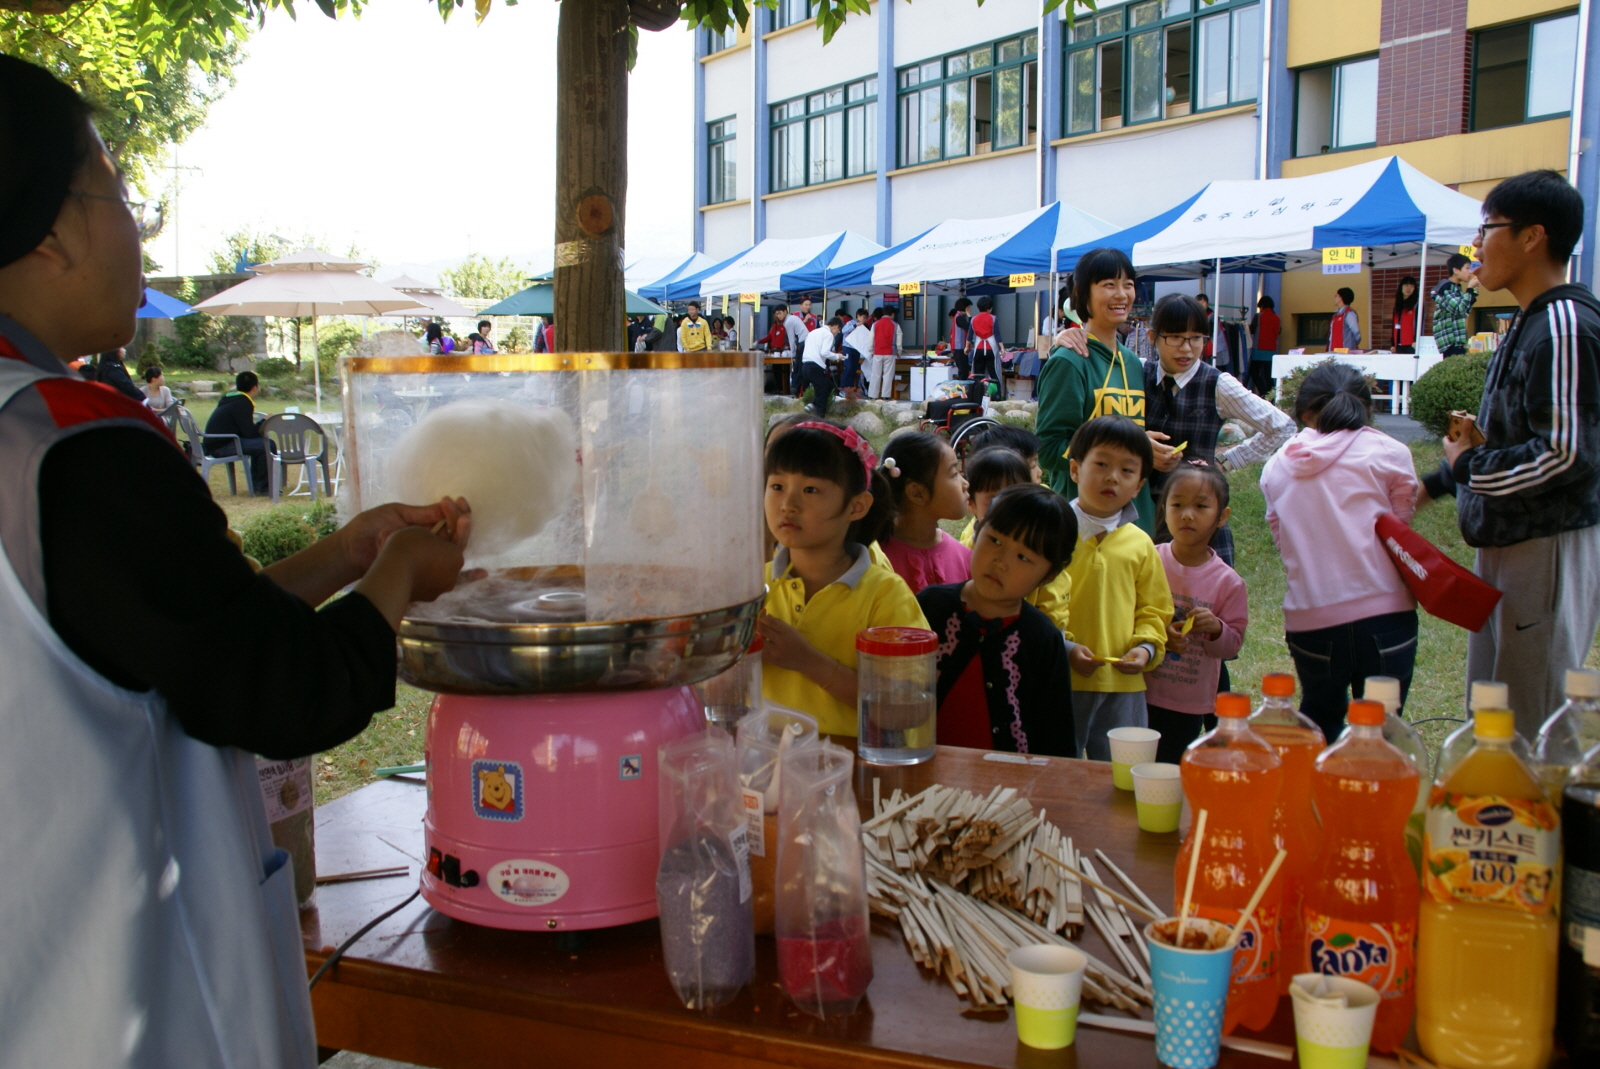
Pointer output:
497, 790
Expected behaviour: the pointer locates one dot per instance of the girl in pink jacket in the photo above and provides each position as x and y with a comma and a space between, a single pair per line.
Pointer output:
1347, 613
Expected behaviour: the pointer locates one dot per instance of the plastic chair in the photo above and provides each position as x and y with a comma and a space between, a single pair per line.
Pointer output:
195, 447
286, 437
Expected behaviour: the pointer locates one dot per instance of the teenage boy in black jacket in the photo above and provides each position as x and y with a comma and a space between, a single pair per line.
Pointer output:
1528, 496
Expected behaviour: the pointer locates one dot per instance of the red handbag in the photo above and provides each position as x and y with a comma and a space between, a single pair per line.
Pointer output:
1441, 586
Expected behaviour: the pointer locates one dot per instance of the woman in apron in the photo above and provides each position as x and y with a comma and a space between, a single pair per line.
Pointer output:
151, 921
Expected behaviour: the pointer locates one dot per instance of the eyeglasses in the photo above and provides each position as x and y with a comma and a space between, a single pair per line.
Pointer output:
1483, 229
147, 215
1186, 341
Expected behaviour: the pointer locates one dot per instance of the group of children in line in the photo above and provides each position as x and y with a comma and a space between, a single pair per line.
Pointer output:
1069, 609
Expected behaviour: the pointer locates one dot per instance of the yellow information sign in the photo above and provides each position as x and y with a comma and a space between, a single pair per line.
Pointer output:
908, 288
1342, 260
1469, 251
750, 298
1020, 281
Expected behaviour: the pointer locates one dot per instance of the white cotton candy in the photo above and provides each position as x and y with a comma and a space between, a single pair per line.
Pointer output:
517, 466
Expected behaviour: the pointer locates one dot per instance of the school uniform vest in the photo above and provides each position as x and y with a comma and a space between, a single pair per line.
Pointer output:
1186, 415
147, 919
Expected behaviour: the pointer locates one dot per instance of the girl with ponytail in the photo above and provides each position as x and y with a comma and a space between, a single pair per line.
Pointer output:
826, 501
1347, 613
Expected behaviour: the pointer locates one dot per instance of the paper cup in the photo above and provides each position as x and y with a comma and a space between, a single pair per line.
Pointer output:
1158, 793
1129, 747
1329, 1037
1046, 981
1191, 989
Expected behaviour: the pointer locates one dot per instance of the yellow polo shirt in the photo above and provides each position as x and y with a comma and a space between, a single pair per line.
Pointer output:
1120, 598
862, 597
1054, 598
694, 336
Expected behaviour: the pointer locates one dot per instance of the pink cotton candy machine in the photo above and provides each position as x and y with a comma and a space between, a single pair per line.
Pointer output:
563, 661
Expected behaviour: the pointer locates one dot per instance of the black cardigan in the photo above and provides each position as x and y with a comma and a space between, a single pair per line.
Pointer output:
1025, 671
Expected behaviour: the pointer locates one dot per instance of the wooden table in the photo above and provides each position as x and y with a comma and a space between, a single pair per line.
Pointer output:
427, 989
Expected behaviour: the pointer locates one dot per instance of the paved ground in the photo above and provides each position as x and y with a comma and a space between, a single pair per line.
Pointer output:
1403, 428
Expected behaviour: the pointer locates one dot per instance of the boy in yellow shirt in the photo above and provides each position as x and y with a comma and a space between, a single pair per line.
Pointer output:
694, 333
1121, 603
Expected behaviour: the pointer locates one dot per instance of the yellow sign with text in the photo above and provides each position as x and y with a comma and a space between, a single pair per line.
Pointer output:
1342, 260
750, 298
1469, 251
908, 288
1019, 281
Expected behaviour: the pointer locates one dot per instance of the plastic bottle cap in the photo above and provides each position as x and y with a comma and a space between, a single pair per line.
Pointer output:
1233, 705
757, 643
1366, 713
1583, 683
1489, 695
1494, 724
1277, 685
896, 641
1384, 689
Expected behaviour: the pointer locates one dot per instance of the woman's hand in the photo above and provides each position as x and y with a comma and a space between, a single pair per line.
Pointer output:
413, 565
1177, 641
1167, 458
366, 534
1074, 338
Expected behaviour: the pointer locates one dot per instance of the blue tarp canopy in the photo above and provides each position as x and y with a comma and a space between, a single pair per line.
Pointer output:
158, 305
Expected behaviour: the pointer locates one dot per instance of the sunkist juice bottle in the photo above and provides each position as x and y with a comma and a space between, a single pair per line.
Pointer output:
1397, 732
1570, 733
1235, 775
1486, 937
1361, 906
1298, 740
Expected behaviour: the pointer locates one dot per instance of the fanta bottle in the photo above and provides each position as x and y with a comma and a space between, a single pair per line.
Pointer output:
1361, 908
1487, 932
1235, 775
1298, 740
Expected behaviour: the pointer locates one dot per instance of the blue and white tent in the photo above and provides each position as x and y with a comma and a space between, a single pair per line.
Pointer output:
650, 277
1385, 202
1067, 258
985, 248
777, 265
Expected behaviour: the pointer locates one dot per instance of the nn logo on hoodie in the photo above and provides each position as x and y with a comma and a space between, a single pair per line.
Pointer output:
1406, 559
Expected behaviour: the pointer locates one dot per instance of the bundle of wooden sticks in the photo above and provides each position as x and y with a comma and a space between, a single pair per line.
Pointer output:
971, 877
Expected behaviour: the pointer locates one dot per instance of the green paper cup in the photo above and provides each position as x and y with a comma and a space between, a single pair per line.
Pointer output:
1333, 1037
1046, 982
1158, 794
1129, 747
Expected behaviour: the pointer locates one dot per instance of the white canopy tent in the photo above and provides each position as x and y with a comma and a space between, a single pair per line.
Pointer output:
981, 248
431, 298
778, 265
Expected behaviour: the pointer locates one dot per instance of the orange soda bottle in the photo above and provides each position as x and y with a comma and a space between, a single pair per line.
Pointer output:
1235, 775
1361, 905
1295, 828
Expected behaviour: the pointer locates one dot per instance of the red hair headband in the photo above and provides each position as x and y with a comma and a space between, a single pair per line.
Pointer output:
853, 441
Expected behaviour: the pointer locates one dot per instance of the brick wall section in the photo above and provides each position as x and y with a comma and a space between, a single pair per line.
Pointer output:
1385, 280
1423, 84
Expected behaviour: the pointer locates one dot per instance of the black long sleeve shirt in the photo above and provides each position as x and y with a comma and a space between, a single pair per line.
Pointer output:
144, 585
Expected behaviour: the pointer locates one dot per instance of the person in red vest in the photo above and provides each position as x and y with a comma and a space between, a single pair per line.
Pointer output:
811, 322
885, 347
1265, 327
1344, 332
1405, 316
987, 347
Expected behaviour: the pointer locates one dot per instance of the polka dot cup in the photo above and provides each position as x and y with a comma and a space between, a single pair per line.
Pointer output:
1191, 989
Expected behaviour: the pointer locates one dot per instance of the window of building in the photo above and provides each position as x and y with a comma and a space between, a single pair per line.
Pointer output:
721, 42
1159, 59
1523, 72
825, 136
790, 12
721, 168
1336, 107
975, 101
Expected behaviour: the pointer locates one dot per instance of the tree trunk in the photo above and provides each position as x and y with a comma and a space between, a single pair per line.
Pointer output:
591, 174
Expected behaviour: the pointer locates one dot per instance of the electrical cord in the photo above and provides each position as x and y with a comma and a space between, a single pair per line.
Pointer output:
348, 943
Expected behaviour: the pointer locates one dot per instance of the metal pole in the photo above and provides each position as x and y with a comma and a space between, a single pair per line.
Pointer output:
316, 357
1575, 123
1216, 313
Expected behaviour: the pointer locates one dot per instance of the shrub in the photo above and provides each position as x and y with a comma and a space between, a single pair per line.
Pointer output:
201, 341
1456, 383
333, 341
274, 535
274, 367
323, 519
1292, 381
517, 341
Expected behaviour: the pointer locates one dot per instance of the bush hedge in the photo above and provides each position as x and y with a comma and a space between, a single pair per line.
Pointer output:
1452, 384
274, 535
1292, 381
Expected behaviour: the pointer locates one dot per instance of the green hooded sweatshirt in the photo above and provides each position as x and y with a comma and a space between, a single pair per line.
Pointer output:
1074, 389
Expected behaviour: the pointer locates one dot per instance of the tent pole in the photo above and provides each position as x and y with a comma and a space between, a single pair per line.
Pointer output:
1216, 313
1422, 287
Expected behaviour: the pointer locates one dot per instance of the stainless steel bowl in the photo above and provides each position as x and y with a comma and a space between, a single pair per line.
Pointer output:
456, 658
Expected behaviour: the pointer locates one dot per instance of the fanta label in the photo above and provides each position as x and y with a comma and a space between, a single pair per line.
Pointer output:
1382, 956
1256, 956
1490, 850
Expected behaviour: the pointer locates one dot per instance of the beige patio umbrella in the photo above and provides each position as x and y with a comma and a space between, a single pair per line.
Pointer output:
431, 298
309, 283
